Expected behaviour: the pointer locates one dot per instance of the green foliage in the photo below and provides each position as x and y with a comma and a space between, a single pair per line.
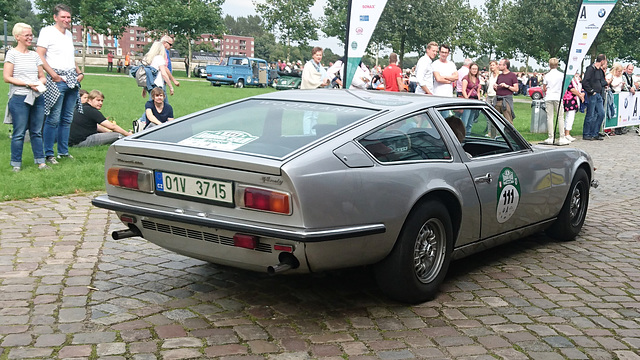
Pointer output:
19, 11
184, 18
290, 20
251, 25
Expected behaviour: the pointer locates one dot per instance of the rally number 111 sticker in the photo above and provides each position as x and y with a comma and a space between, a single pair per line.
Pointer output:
508, 195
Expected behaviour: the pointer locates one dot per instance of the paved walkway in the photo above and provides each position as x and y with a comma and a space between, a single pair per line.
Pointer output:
67, 290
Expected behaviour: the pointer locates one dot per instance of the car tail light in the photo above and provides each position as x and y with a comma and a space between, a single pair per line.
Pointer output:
134, 179
229, 76
267, 200
285, 248
209, 75
245, 241
128, 219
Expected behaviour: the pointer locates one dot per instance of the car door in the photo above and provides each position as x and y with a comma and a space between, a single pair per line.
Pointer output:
512, 180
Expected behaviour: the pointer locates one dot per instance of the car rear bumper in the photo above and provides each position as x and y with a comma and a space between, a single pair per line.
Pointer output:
200, 219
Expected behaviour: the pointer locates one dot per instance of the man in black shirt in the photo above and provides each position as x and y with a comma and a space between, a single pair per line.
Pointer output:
628, 78
84, 128
594, 84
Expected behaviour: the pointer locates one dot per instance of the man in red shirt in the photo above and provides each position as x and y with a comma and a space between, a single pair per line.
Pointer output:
392, 75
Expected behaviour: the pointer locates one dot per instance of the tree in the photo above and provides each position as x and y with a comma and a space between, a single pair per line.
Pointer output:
187, 18
618, 38
251, 25
21, 11
408, 25
547, 34
103, 16
291, 20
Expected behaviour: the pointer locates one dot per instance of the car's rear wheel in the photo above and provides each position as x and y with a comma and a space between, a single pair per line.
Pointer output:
419, 261
536, 96
240, 83
574, 210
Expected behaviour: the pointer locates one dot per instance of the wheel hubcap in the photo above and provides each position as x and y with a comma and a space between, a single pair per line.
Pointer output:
430, 247
576, 208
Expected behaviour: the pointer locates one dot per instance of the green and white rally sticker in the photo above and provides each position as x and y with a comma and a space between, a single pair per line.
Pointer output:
508, 194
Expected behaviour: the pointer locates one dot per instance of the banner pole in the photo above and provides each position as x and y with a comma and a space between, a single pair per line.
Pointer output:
564, 78
346, 47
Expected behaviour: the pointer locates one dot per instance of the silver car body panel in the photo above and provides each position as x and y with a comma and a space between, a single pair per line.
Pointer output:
348, 208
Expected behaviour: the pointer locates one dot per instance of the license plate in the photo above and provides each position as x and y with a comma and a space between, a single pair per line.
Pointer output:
193, 187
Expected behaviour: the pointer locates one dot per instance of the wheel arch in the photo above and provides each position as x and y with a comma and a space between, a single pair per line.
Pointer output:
451, 203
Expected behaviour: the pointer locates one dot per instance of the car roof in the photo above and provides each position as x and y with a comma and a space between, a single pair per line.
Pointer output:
379, 100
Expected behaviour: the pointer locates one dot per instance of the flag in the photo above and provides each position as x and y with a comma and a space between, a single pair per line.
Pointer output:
362, 20
591, 16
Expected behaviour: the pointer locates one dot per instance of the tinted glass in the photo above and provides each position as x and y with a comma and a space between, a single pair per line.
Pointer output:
410, 139
480, 133
262, 127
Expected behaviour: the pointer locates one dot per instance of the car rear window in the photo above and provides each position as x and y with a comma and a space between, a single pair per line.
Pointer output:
261, 127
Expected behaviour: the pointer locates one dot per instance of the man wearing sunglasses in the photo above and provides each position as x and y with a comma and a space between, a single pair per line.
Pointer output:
167, 41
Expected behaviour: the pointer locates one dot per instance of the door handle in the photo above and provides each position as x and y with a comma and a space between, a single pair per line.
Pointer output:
483, 179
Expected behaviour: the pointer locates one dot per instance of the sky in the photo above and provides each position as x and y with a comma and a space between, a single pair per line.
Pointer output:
237, 8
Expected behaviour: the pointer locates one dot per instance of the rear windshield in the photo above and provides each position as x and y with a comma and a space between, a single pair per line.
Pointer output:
261, 127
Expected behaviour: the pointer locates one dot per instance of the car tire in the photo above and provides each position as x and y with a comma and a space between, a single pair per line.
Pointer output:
574, 210
419, 261
240, 83
536, 96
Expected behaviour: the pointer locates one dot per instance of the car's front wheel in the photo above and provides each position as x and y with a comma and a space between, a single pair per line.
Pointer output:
574, 210
536, 96
240, 83
419, 261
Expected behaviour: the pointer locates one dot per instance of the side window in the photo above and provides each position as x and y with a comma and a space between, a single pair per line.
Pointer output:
410, 139
483, 134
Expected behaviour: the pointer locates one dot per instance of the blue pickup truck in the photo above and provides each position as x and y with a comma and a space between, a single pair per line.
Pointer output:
240, 71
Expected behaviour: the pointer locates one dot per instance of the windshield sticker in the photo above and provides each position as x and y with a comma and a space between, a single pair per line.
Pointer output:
219, 139
508, 194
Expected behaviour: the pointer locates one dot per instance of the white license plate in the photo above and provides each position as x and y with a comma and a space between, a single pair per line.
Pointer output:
195, 187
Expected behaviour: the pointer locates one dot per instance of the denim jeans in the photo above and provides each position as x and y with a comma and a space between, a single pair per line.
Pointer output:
58, 122
468, 118
595, 116
26, 117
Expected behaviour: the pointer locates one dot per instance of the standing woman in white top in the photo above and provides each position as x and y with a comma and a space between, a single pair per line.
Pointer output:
615, 80
23, 70
157, 59
491, 80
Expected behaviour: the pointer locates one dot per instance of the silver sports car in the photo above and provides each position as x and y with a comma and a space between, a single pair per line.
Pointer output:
313, 180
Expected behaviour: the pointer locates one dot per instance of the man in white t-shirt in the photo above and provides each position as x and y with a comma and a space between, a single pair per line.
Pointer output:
445, 74
55, 47
424, 70
552, 87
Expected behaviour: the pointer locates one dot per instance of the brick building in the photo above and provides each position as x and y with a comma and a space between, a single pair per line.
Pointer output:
134, 39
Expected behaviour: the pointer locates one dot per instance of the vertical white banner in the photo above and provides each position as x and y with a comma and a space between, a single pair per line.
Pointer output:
363, 18
591, 17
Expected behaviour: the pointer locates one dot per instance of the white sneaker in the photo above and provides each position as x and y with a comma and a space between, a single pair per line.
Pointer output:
570, 138
549, 141
564, 141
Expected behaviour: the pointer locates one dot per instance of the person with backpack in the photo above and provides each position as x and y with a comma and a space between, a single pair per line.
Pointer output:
156, 58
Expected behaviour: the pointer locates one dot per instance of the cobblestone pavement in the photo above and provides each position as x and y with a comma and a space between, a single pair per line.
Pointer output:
67, 290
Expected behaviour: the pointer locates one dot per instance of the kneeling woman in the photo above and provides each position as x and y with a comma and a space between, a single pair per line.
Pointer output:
157, 110
84, 130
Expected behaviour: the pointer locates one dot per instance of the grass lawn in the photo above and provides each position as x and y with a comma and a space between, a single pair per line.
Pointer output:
124, 103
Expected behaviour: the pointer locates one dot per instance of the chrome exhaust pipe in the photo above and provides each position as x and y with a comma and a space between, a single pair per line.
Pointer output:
272, 270
123, 234
287, 262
